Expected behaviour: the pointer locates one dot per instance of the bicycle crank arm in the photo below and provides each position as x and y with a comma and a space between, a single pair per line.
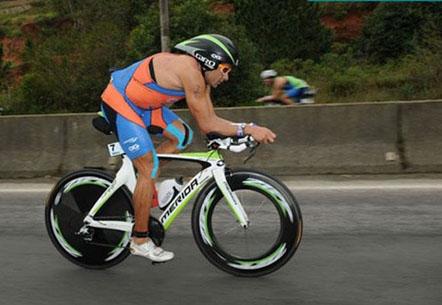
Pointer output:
109, 224
105, 245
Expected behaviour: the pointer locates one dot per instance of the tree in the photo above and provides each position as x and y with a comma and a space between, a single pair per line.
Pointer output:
189, 18
88, 12
70, 68
283, 29
397, 29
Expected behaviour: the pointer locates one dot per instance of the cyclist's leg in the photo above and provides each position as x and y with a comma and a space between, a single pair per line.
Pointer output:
296, 93
141, 245
178, 134
138, 146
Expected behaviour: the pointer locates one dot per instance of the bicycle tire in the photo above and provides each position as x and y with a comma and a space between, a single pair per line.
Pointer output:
67, 205
287, 239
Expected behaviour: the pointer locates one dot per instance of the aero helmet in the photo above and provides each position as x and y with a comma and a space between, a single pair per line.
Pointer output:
268, 74
210, 50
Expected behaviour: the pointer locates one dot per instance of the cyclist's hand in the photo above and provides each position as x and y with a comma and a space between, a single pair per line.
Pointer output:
260, 134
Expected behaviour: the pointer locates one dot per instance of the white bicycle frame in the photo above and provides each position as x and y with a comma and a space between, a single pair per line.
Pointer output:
213, 167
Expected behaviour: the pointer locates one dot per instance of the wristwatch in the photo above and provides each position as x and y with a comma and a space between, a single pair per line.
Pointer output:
240, 129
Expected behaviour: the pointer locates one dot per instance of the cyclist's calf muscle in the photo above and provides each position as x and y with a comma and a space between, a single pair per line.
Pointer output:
143, 191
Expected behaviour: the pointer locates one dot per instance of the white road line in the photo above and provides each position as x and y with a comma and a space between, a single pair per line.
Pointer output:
25, 188
364, 187
32, 191
293, 185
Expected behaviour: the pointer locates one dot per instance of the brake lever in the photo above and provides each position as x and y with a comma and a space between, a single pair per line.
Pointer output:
251, 154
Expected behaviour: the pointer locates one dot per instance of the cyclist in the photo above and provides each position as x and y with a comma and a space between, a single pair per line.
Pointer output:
286, 90
138, 97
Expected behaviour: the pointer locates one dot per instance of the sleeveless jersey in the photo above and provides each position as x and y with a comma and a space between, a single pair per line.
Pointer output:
136, 85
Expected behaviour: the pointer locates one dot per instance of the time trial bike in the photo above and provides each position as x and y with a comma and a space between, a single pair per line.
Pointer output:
245, 222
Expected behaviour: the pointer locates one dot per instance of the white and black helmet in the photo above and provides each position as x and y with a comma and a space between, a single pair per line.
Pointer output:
268, 74
210, 50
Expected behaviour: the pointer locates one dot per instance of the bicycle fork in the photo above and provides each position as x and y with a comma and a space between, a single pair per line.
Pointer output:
232, 200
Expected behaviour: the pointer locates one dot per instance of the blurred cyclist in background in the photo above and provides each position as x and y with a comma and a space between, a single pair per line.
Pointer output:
286, 90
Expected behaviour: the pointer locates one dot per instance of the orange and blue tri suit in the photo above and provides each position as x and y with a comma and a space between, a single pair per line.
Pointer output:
134, 103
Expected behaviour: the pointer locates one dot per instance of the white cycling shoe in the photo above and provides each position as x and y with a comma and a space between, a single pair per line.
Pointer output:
151, 251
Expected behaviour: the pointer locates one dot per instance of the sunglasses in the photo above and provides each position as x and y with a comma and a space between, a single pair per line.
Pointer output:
225, 68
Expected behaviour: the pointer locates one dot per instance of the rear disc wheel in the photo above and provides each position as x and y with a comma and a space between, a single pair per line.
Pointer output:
68, 204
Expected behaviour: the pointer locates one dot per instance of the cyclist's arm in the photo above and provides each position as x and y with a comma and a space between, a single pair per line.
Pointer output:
264, 99
201, 108
200, 105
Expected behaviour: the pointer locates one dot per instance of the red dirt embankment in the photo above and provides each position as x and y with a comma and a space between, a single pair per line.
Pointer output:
13, 49
348, 27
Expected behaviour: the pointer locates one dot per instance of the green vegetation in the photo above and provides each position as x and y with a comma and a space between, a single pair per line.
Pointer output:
15, 14
283, 29
68, 54
191, 18
397, 57
342, 78
394, 30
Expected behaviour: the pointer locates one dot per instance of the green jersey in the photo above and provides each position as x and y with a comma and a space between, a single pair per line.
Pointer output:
296, 82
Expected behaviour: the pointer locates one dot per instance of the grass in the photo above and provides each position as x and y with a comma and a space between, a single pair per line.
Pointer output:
404, 80
18, 3
341, 78
14, 14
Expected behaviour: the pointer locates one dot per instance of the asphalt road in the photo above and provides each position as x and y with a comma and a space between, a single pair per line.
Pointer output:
375, 240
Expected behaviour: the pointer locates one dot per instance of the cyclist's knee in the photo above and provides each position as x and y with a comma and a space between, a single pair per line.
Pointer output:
181, 137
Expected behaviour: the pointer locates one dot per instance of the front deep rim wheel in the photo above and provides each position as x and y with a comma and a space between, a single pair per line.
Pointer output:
67, 205
273, 234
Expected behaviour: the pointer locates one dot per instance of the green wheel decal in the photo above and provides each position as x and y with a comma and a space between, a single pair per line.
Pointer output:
250, 265
203, 218
120, 247
82, 181
275, 194
61, 239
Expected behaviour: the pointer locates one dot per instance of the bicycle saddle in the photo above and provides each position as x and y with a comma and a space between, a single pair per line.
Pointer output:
102, 125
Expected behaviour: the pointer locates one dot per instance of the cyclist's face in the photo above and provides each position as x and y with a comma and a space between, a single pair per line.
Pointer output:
268, 81
221, 74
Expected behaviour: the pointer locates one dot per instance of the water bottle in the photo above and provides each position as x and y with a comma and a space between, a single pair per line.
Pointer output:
168, 190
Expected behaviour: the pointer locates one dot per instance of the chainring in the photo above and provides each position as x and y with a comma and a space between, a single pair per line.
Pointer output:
156, 231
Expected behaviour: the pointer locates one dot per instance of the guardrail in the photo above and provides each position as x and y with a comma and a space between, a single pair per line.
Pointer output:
364, 138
